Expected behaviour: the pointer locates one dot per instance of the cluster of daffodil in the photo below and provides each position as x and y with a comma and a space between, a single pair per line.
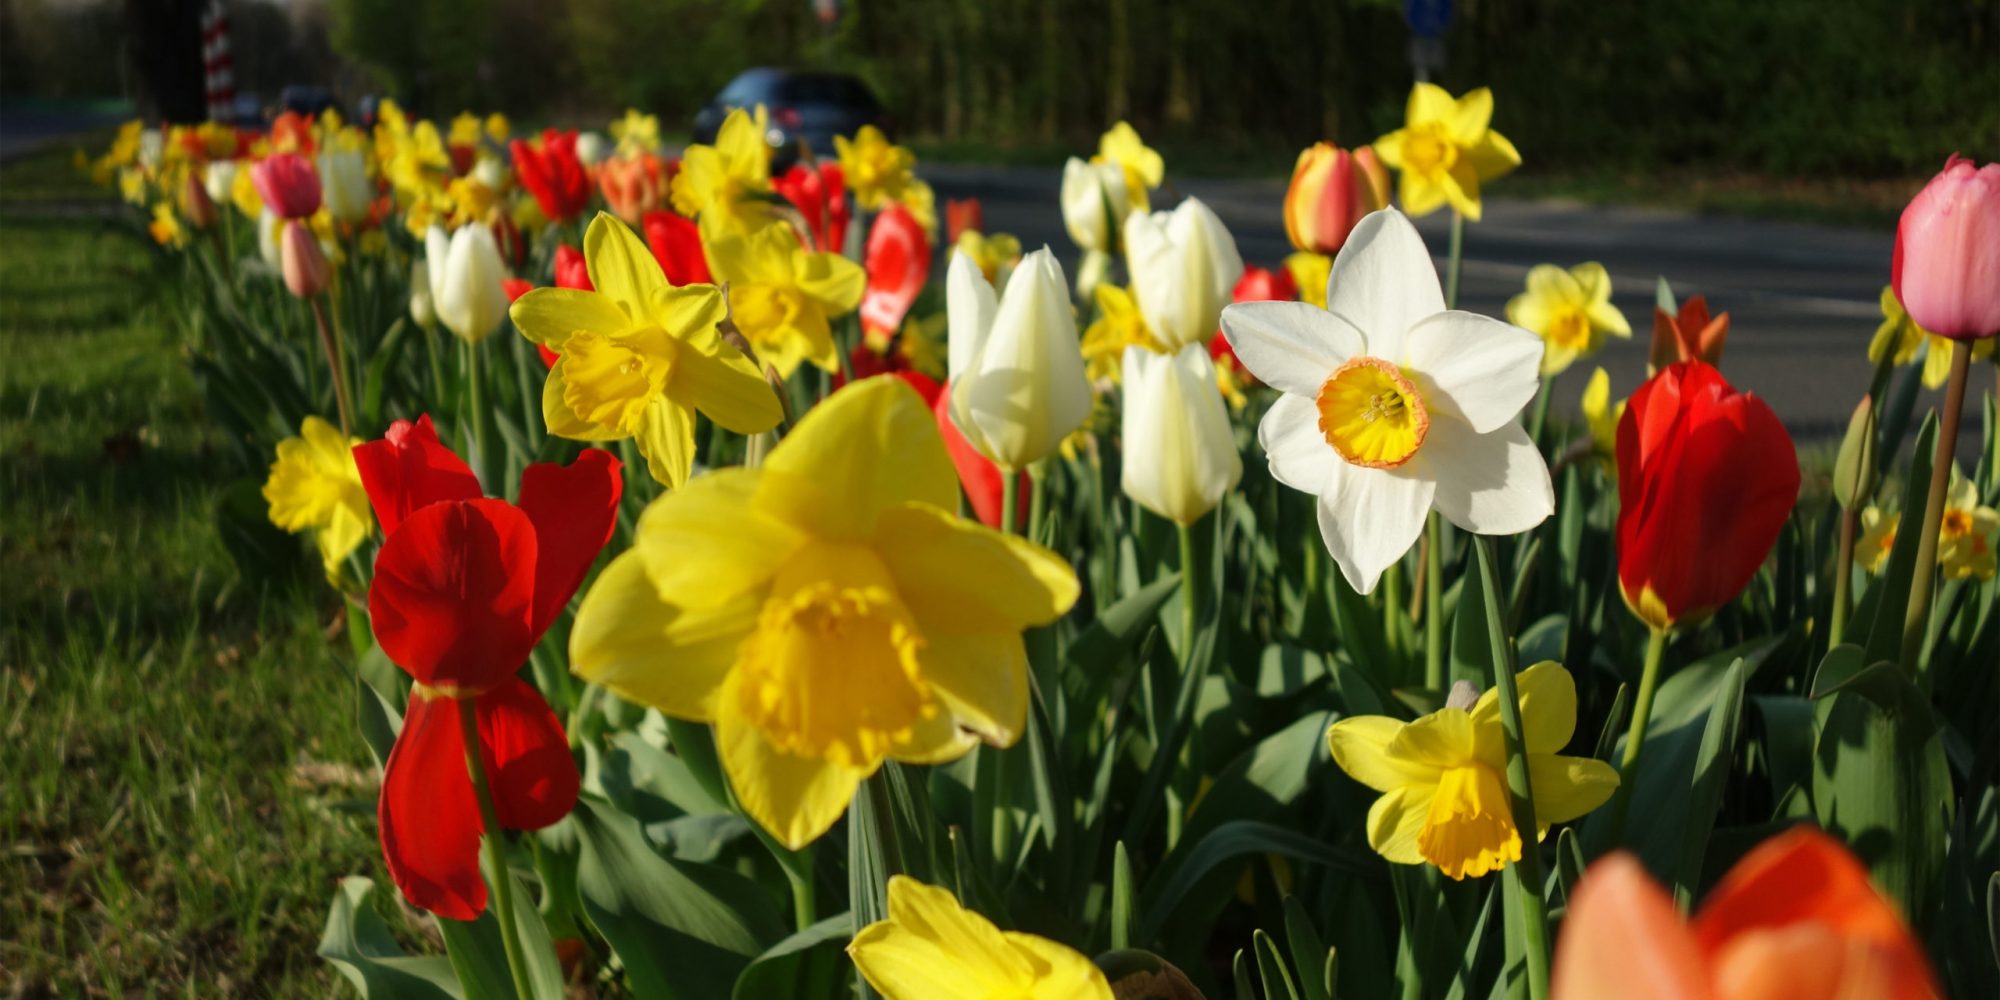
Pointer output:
1020, 623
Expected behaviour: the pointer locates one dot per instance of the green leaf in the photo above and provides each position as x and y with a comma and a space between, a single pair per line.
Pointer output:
1663, 297
1891, 591
1278, 984
1123, 903
1309, 954
361, 946
1881, 783
380, 722
1119, 627
480, 957
811, 963
1164, 897
683, 930
1711, 777
1285, 669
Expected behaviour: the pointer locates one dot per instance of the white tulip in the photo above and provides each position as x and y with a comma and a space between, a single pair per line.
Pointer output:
218, 179
1017, 382
592, 148
1394, 405
465, 276
490, 172
152, 146
1180, 457
343, 176
1094, 203
1184, 266
421, 309
268, 227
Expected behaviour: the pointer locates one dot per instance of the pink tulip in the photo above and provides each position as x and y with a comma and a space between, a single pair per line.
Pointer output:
1947, 268
303, 263
288, 185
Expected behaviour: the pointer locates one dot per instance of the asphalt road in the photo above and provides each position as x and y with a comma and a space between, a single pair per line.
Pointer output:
1801, 298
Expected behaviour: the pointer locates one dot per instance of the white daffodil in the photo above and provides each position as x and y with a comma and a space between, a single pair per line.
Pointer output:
1180, 457
1184, 266
1017, 383
1393, 405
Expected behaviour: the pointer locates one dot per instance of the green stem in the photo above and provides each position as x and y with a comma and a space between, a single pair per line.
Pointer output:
503, 881
1037, 503
1452, 263
438, 384
1541, 417
1635, 737
326, 341
1434, 678
1010, 497
1534, 911
1191, 583
482, 418
1843, 579
1916, 623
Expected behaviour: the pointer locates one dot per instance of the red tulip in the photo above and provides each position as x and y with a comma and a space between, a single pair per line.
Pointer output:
464, 588
507, 239
572, 271
1706, 477
1795, 918
1690, 336
961, 215
553, 174
288, 184
516, 287
899, 262
676, 243
1258, 284
821, 196
292, 132
981, 479
1947, 265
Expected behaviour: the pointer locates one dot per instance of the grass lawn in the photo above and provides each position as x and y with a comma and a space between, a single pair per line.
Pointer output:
184, 783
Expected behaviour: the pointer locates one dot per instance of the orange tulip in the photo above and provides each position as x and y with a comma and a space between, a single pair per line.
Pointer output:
1689, 336
1331, 190
635, 185
1796, 919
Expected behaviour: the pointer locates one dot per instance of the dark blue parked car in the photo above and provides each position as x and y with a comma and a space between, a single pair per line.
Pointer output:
807, 105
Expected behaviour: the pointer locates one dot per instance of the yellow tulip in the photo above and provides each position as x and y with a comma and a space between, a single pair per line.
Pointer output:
1444, 776
1141, 164
782, 295
1570, 310
1446, 150
723, 183
315, 484
640, 356
931, 948
826, 611
874, 169
1901, 336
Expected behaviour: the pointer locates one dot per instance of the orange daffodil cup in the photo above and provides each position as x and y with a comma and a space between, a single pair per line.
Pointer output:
826, 612
1393, 405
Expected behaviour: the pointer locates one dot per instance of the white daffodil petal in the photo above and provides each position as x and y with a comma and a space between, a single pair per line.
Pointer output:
1492, 484
1291, 346
1383, 281
1290, 434
1370, 517
1472, 367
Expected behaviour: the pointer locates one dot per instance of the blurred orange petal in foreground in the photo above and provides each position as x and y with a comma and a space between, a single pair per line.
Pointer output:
1796, 919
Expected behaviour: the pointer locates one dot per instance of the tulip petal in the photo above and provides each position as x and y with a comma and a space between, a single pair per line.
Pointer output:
1473, 367
1370, 517
428, 816
868, 448
1383, 282
409, 469
969, 307
674, 659
453, 596
621, 266
1567, 787
1291, 346
1623, 938
528, 764
1360, 745
1490, 484
1396, 820
549, 315
795, 799
573, 508
1299, 454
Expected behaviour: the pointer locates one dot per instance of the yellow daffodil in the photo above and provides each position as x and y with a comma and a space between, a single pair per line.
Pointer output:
314, 484
498, 128
243, 192
1309, 271
922, 203
1969, 534
1142, 166
166, 227
466, 130
1602, 416
920, 345
132, 185
1878, 538
1446, 150
1119, 325
826, 611
640, 356
1900, 336
1570, 310
725, 183
931, 948
636, 133
782, 295
993, 254
1444, 776
875, 169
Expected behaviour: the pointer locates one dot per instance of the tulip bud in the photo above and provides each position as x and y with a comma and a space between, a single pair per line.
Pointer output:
1094, 203
196, 204
349, 194
465, 275
1017, 382
592, 148
1184, 265
420, 295
288, 185
1331, 190
218, 178
302, 261
1947, 264
1180, 457
268, 224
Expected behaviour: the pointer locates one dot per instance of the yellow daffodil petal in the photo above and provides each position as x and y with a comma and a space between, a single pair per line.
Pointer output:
620, 265
707, 544
1548, 712
982, 680
1360, 745
548, 316
666, 438
868, 448
1493, 156
1568, 787
931, 948
741, 143
1419, 193
793, 798
674, 659
561, 419
933, 740
727, 387
833, 281
1395, 822
690, 312
1470, 115
1429, 103
1442, 739
957, 575
1061, 973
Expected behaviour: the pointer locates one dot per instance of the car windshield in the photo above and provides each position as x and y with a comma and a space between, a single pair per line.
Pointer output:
818, 88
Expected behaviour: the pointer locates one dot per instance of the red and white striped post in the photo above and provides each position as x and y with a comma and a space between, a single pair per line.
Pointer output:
220, 78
